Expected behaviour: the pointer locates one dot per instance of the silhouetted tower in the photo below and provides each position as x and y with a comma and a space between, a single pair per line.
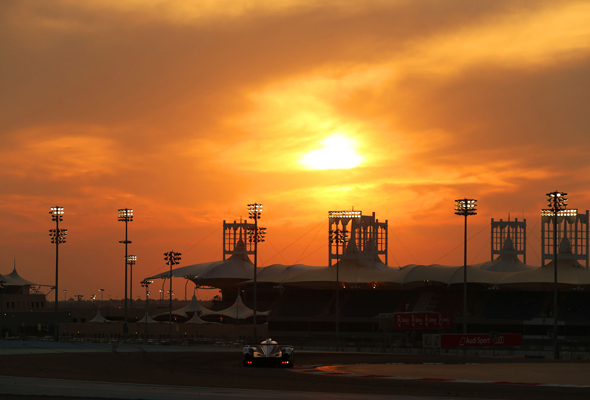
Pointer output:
572, 236
509, 237
367, 237
235, 239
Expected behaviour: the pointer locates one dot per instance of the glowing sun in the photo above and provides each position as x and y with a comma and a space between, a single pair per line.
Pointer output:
338, 152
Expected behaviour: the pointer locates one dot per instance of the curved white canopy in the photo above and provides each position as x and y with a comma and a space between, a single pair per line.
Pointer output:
147, 319
14, 279
421, 274
348, 271
504, 263
238, 310
197, 320
224, 273
193, 307
507, 269
99, 318
278, 273
569, 272
477, 275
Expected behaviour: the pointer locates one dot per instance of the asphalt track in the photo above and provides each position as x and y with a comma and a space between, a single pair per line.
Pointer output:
219, 371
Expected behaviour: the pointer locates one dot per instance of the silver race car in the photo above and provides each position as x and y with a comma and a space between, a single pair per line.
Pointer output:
268, 353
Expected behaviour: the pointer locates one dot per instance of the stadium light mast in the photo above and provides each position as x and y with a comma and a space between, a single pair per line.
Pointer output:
557, 202
338, 236
2, 282
125, 215
465, 207
146, 284
255, 235
131, 260
172, 258
58, 236
101, 296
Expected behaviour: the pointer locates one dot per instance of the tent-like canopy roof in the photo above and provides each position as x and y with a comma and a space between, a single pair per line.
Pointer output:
193, 307
220, 274
357, 269
507, 262
238, 310
99, 318
419, 275
504, 263
14, 279
478, 275
147, 319
349, 271
569, 273
278, 273
275, 271
197, 320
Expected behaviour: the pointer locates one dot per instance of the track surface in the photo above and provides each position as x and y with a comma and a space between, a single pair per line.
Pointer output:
224, 370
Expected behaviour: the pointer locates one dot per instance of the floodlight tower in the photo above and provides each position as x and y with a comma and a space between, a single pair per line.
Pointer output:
2, 282
171, 258
338, 236
465, 207
255, 235
557, 203
101, 296
146, 284
131, 260
58, 236
125, 215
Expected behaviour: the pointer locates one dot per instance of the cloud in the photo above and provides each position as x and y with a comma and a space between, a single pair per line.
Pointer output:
188, 111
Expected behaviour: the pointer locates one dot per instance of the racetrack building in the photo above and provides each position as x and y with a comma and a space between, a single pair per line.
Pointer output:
356, 297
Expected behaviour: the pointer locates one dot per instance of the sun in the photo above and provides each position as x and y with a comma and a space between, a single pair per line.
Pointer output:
337, 152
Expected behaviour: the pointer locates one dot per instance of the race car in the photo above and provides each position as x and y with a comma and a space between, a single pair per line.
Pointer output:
268, 353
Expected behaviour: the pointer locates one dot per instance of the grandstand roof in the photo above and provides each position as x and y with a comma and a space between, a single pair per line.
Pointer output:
14, 279
276, 272
147, 319
420, 274
350, 271
197, 320
569, 272
220, 274
193, 307
477, 275
238, 310
504, 263
357, 269
99, 318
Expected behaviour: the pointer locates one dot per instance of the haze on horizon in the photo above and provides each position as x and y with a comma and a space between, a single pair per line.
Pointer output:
187, 112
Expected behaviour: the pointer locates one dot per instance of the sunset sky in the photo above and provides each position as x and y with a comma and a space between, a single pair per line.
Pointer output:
186, 111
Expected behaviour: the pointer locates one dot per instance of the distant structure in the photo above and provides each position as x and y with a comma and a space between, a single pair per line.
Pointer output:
236, 239
367, 237
19, 294
572, 236
509, 237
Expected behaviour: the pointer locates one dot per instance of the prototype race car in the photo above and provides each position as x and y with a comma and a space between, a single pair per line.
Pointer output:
268, 353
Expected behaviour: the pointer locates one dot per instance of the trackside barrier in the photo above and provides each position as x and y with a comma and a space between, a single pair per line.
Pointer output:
459, 340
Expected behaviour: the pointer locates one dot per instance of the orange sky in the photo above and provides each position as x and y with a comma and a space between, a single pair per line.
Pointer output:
188, 111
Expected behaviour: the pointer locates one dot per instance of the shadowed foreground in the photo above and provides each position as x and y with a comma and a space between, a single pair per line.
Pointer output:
224, 370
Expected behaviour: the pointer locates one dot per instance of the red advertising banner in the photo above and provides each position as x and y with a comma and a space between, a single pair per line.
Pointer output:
480, 340
423, 321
